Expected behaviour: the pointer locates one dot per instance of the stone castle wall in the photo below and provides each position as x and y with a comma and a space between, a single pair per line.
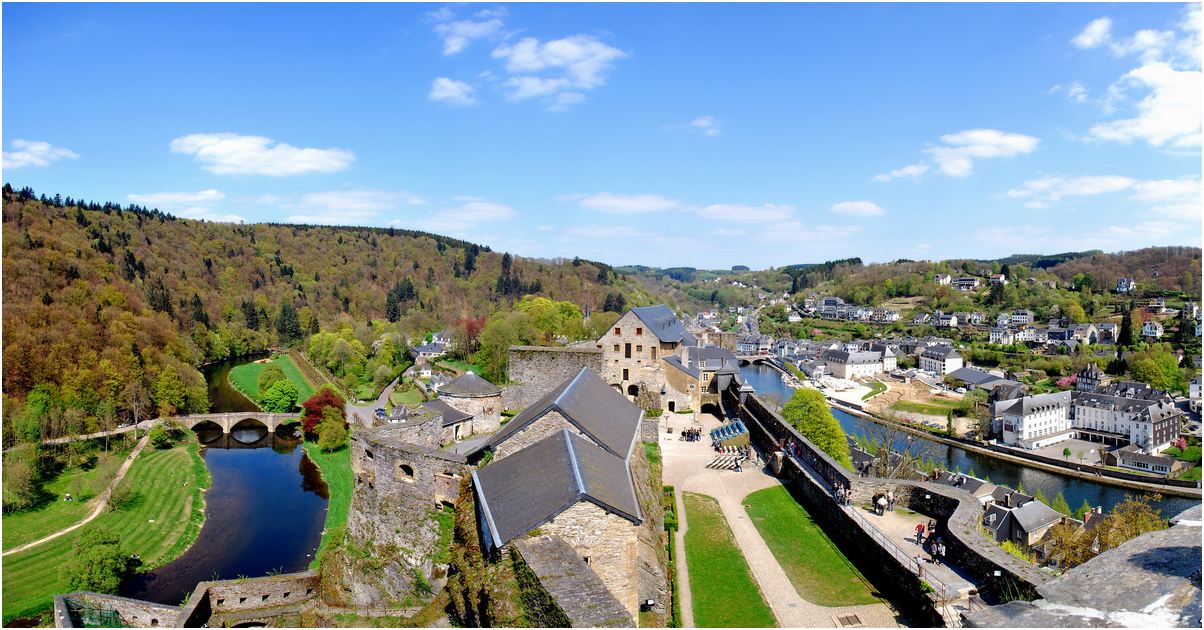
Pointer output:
537, 370
486, 411
134, 613
652, 558
609, 543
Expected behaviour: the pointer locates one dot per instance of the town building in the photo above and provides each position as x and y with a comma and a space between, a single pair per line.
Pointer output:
966, 283
1036, 421
1125, 285
940, 360
1151, 330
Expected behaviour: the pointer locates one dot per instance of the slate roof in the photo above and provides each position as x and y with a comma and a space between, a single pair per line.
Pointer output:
661, 322
940, 352
530, 487
469, 385
851, 358
1034, 515
591, 405
450, 414
1034, 404
974, 376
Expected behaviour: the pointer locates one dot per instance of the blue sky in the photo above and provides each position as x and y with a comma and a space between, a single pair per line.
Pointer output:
701, 135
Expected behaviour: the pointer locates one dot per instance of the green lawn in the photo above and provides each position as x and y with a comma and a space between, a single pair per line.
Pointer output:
336, 472
459, 366
876, 387
1192, 474
410, 397
935, 407
723, 591
245, 377
1190, 455
817, 569
84, 485
32, 578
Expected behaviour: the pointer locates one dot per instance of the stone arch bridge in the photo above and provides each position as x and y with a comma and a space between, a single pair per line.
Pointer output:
227, 421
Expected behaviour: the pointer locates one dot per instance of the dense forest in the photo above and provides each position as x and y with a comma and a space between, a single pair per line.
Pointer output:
110, 310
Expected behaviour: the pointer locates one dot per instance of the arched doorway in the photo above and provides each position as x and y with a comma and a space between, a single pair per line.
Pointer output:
712, 409
672, 406
633, 390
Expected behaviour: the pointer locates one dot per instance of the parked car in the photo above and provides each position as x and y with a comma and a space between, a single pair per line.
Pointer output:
960, 390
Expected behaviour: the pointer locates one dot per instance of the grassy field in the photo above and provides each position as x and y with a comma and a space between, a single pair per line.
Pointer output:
723, 591
876, 387
934, 407
245, 378
160, 523
84, 485
817, 569
410, 397
459, 366
336, 472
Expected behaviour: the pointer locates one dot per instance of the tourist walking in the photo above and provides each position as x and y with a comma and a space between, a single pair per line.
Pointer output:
920, 533
919, 565
890, 500
940, 552
881, 505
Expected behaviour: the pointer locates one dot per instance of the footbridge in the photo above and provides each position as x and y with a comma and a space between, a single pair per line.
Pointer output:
227, 421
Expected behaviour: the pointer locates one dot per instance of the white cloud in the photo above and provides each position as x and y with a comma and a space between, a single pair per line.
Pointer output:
955, 157
35, 153
1185, 188
177, 199
730, 232
1180, 211
189, 205
347, 207
1045, 191
911, 171
451, 91
628, 204
1169, 115
796, 231
706, 125
235, 154
459, 34
575, 63
470, 213
859, 208
1043, 238
738, 212
1075, 91
1099, 31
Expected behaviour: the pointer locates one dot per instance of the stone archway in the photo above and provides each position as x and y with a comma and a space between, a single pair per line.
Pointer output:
633, 390
712, 409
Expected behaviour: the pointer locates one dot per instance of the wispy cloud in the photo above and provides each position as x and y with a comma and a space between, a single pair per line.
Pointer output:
627, 204
235, 154
956, 153
1075, 91
451, 91
859, 208
190, 205
35, 153
559, 70
1046, 191
468, 213
459, 34
347, 207
798, 232
707, 126
746, 213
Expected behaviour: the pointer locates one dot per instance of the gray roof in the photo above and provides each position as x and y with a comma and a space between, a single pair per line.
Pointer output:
851, 358
469, 385
530, 487
664, 324
1034, 515
563, 573
451, 415
585, 400
940, 352
974, 376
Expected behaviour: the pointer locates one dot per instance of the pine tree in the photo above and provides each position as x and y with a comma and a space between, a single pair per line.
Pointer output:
1060, 504
1083, 510
288, 326
392, 308
1125, 338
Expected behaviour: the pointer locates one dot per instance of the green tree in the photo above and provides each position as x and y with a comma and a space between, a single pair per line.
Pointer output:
280, 398
98, 562
1060, 504
810, 415
21, 483
332, 431
270, 375
288, 325
1125, 336
169, 392
1083, 510
1076, 313
159, 437
1066, 453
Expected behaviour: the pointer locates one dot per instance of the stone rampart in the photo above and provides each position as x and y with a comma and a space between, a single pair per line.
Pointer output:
537, 370
83, 609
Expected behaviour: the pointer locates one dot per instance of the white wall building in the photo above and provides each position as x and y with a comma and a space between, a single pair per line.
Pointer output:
1036, 421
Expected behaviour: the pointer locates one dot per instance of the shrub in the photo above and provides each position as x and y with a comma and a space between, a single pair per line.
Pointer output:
270, 375
280, 398
98, 562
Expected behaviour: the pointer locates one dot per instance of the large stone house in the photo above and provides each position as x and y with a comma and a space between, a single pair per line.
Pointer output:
567, 466
697, 377
940, 359
632, 349
1035, 421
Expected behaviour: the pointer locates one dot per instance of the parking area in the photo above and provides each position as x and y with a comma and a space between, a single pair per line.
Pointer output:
1087, 453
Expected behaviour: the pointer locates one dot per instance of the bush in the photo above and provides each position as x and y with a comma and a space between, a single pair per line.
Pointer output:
280, 398
98, 562
270, 375
332, 432
159, 438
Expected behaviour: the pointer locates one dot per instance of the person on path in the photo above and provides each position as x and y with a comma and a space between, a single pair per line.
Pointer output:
890, 500
881, 506
738, 468
919, 565
931, 528
920, 533
940, 552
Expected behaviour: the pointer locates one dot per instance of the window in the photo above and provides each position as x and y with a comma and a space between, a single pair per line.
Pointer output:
639, 348
405, 472
616, 347
624, 373
618, 331
626, 351
639, 331
653, 353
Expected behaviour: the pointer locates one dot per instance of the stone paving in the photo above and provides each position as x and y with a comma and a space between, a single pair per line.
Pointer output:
900, 527
685, 469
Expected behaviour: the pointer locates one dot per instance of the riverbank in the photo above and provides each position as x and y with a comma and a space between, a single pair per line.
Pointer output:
1191, 493
160, 522
336, 472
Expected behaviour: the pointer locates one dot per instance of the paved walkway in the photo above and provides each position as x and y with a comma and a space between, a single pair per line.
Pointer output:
144, 425
101, 503
684, 468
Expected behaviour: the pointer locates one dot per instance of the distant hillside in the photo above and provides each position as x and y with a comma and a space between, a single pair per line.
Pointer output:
97, 295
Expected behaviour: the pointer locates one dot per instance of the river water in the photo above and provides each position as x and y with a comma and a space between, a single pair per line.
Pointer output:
264, 512
769, 384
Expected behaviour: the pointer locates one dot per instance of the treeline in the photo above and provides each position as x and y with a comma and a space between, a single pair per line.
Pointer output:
112, 309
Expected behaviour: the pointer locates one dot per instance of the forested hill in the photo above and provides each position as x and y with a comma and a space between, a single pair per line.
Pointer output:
104, 303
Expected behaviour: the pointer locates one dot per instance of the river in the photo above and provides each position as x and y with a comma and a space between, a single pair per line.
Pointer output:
769, 384
264, 512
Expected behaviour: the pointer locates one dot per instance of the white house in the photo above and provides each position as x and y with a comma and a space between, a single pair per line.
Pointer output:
940, 359
850, 365
1151, 329
943, 279
1002, 336
966, 283
1021, 317
998, 278
1124, 285
1036, 421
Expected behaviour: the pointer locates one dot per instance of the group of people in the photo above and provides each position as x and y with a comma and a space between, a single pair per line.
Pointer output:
692, 435
936, 544
884, 503
844, 496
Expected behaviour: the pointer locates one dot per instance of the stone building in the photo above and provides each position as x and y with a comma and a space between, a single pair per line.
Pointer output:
567, 466
478, 401
535, 370
634, 346
697, 377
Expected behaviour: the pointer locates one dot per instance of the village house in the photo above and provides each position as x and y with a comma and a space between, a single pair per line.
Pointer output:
943, 279
998, 278
851, 365
1025, 524
947, 320
1151, 330
1125, 285
633, 347
1035, 421
1001, 336
966, 283
940, 360
1021, 317
698, 377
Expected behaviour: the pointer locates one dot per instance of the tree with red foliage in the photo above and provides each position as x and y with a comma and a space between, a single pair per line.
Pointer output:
316, 404
466, 336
